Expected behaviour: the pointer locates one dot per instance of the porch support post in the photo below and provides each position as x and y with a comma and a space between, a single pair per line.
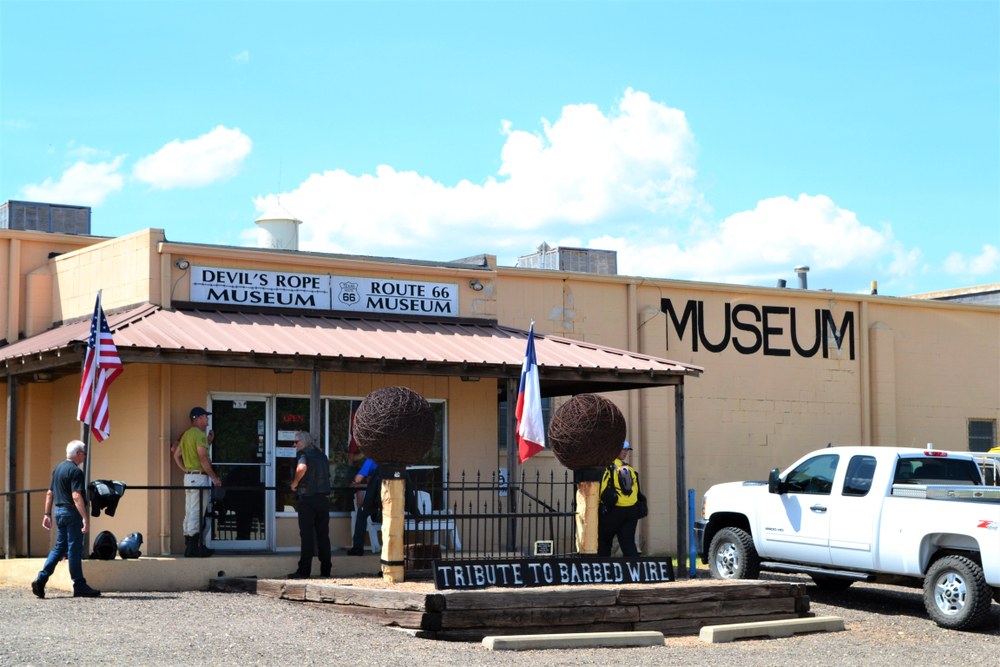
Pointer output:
512, 457
681, 480
314, 412
10, 473
588, 496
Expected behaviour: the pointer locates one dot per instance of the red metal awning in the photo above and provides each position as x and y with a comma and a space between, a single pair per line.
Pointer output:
147, 333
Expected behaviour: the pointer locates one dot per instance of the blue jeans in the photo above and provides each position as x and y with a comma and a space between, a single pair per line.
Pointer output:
69, 540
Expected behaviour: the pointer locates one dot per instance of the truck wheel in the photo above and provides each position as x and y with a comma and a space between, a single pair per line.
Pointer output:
956, 594
732, 555
831, 584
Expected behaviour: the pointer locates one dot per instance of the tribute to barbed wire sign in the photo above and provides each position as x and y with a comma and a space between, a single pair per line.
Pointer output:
586, 432
530, 573
394, 425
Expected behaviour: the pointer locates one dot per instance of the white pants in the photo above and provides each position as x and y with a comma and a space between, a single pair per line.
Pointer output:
196, 504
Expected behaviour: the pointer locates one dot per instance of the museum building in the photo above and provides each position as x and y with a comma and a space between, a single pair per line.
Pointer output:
273, 340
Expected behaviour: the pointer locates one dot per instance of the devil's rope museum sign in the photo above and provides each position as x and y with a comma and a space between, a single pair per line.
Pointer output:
312, 291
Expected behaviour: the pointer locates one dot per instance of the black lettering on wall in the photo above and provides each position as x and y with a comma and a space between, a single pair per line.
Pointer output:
838, 334
681, 326
746, 308
774, 331
795, 339
713, 347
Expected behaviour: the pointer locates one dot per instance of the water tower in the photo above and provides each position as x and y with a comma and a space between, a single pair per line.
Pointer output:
278, 229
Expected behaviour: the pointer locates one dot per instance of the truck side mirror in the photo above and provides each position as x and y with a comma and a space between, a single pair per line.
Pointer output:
774, 482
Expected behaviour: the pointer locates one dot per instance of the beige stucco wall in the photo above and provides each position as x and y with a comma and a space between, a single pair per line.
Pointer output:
126, 268
21, 253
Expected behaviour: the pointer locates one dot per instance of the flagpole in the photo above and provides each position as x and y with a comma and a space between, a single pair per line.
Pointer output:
89, 424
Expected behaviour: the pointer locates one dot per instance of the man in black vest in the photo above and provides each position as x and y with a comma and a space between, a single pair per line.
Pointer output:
66, 492
312, 484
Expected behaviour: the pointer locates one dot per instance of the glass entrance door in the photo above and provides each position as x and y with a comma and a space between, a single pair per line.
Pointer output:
241, 455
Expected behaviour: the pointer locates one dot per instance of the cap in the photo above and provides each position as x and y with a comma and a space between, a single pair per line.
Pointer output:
198, 412
627, 446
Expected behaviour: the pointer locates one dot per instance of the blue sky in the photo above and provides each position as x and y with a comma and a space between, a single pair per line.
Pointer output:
709, 141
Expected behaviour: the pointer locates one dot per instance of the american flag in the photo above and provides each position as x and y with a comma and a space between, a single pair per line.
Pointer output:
100, 369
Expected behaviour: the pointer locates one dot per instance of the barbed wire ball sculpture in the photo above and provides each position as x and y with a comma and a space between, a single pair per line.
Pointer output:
587, 431
394, 425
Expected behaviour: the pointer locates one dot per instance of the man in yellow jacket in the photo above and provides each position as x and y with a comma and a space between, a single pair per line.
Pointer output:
621, 506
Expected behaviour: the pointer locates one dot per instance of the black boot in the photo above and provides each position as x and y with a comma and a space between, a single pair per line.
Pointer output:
202, 550
190, 546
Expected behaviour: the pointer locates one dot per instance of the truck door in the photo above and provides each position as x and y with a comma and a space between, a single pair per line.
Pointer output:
854, 511
795, 525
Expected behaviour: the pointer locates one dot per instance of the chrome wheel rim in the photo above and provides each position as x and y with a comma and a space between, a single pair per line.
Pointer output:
727, 560
950, 593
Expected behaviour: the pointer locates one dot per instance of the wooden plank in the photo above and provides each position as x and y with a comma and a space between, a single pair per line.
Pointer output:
802, 603
691, 626
393, 498
272, 588
588, 497
706, 592
294, 590
654, 612
477, 634
375, 598
525, 599
553, 616
404, 619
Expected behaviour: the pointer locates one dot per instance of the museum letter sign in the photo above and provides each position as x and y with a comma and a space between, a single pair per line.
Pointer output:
751, 329
312, 291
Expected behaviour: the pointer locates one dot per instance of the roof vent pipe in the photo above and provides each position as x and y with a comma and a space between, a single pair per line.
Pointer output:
781, 283
278, 230
801, 272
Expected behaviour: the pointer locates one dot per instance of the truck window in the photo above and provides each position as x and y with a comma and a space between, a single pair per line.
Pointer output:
937, 470
813, 475
860, 471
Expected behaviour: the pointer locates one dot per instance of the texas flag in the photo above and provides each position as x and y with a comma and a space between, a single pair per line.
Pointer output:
530, 426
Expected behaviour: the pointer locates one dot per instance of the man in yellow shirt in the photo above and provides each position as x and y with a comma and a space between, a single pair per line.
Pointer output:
191, 455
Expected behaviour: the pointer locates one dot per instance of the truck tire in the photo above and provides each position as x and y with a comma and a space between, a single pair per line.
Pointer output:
831, 584
732, 555
956, 594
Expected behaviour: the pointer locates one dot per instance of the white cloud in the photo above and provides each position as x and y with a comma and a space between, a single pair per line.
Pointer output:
211, 157
585, 169
623, 180
986, 262
761, 245
242, 57
85, 152
82, 184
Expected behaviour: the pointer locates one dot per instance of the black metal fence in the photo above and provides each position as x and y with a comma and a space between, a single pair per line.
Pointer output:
488, 518
460, 519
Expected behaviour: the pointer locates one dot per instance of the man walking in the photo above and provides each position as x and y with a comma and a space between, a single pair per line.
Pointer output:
619, 511
312, 484
368, 477
192, 457
66, 493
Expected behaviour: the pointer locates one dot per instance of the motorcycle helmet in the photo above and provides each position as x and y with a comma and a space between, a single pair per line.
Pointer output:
105, 546
129, 546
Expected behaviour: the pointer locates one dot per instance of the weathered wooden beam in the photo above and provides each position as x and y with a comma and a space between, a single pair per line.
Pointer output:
393, 499
526, 598
551, 616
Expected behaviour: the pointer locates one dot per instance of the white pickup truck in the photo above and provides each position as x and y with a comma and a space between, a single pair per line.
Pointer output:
879, 514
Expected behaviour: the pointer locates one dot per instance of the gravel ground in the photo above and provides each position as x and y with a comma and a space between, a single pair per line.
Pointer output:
886, 626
